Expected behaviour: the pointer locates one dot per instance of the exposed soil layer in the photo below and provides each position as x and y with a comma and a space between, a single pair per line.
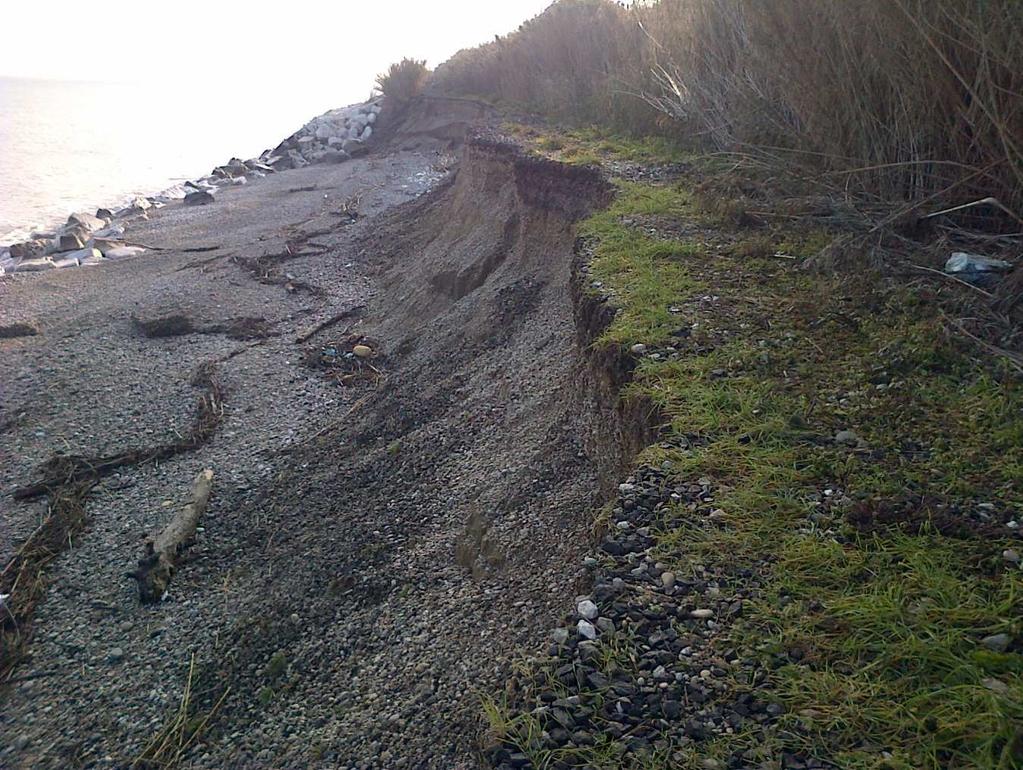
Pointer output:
10, 331
375, 548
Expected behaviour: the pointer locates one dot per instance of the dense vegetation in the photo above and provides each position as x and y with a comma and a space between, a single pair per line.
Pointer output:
918, 100
403, 80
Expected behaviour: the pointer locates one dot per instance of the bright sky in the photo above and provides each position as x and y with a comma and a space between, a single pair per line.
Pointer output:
329, 47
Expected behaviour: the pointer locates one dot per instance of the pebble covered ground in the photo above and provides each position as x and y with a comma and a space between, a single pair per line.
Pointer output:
102, 670
374, 549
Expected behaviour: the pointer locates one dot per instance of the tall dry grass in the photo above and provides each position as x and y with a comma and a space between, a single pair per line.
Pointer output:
565, 63
898, 100
403, 80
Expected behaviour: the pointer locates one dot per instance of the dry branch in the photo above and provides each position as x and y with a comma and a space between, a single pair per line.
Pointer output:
157, 567
334, 319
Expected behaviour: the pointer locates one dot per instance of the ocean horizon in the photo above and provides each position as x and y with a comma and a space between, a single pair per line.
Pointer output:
69, 146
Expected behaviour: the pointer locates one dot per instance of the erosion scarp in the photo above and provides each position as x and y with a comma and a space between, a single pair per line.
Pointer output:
404, 552
368, 567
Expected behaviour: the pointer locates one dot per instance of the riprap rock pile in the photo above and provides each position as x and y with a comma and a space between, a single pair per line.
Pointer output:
332, 137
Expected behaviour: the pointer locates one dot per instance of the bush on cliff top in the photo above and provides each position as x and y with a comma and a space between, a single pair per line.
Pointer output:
403, 80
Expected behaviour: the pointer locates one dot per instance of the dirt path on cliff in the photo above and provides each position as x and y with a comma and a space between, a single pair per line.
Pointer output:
383, 531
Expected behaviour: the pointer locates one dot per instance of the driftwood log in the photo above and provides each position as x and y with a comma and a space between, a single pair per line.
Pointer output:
156, 568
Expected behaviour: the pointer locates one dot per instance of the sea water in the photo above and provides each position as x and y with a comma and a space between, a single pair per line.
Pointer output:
72, 146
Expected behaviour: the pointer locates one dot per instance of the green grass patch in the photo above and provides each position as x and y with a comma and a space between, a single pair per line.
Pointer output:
887, 617
647, 275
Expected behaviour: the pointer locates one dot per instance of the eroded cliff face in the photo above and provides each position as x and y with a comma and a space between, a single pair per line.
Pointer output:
436, 529
350, 602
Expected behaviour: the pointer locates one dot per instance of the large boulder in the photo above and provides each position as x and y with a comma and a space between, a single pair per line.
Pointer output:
71, 240
114, 231
258, 165
29, 249
35, 265
137, 209
67, 261
237, 167
124, 252
281, 162
86, 221
92, 258
198, 198
104, 244
354, 147
88, 256
335, 156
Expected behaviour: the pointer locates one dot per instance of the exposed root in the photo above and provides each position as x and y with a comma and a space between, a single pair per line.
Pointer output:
241, 328
166, 326
67, 480
200, 263
63, 470
334, 319
264, 270
17, 330
22, 581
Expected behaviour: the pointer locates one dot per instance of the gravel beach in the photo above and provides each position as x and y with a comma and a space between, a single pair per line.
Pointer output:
401, 498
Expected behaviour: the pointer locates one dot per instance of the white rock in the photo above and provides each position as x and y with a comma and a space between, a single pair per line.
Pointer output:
124, 252
115, 231
587, 609
95, 258
367, 132
140, 203
66, 262
86, 220
371, 118
34, 265
352, 146
701, 614
586, 629
83, 254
